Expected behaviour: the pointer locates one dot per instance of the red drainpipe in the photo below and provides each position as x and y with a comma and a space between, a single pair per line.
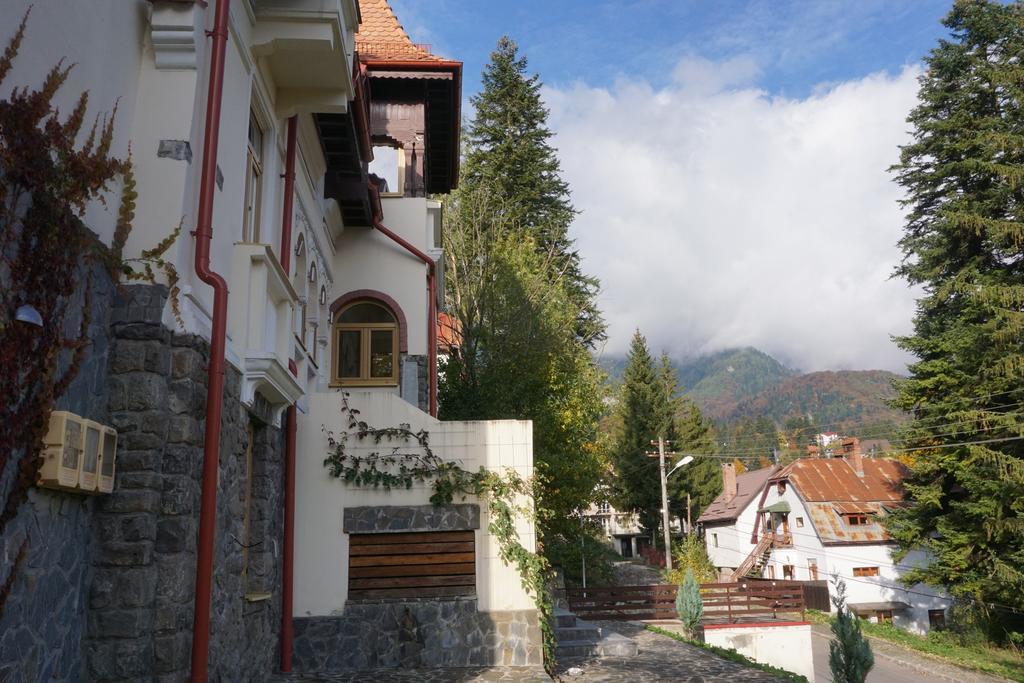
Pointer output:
432, 293
289, 544
218, 333
288, 559
289, 192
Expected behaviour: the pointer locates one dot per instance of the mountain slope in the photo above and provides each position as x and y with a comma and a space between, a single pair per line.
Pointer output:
721, 381
847, 396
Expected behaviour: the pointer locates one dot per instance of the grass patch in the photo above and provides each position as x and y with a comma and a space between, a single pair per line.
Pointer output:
991, 660
730, 655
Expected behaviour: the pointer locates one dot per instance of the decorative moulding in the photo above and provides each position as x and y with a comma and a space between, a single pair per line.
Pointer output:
173, 34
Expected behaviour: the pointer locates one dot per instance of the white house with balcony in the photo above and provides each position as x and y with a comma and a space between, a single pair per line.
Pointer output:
819, 517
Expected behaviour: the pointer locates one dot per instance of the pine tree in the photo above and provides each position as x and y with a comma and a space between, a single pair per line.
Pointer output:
964, 177
849, 653
509, 152
702, 478
642, 416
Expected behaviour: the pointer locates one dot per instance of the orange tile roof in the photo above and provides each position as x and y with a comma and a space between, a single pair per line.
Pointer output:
449, 331
382, 39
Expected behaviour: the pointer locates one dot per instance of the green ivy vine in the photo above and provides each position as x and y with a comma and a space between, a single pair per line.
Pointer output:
406, 458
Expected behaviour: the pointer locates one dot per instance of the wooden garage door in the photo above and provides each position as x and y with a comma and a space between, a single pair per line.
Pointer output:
411, 565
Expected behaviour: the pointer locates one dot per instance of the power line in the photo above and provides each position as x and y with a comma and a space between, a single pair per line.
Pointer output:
862, 434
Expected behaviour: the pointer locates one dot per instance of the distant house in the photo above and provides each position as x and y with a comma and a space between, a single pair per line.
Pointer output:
818, 517
622, 529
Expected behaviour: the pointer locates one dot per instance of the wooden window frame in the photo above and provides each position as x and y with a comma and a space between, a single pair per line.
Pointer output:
865, 571
365, 329
857, 520
253, 185
937, 619
799, 522
883, 616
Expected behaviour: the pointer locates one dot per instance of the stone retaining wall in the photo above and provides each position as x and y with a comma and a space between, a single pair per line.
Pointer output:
42, 618
105, 592
419, 633
141, 598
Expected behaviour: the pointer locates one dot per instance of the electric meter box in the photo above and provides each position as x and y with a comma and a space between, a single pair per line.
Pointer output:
78, 454
108, 456
92, 436
62, 451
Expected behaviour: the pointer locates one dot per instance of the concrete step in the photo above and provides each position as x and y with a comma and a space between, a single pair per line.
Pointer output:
616, 645
564, 618
580, 631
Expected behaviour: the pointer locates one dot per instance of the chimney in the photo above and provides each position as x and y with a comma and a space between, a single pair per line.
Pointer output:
854, 456
729, 486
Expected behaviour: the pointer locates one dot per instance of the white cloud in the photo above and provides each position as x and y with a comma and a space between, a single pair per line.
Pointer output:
719, 216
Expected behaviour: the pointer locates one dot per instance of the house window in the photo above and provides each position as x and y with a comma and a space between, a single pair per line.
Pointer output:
883, 616
865, 571
799, 522
365, 346
412, 565
603, 508
788, 572
937, 619
812, 568
389, 166
714, 540
781, 488
253, 182
856, 520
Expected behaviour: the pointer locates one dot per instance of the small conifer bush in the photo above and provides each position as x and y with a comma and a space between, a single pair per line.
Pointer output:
849, 656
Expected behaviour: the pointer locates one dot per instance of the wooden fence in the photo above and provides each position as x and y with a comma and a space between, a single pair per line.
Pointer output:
728, 602
816, 594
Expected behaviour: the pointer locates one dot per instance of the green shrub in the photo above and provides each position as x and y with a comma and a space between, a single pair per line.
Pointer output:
689, 606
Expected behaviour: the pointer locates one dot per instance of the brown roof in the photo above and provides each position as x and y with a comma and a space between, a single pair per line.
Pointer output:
748, 486
834, 480
382, 39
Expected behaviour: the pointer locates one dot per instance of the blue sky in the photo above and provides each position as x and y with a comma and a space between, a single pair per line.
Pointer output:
797, 45
728, 158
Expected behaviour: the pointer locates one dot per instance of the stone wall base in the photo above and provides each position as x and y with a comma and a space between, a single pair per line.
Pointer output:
419, 633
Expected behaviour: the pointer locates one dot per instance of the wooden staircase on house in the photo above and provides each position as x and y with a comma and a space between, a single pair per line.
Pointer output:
755, 562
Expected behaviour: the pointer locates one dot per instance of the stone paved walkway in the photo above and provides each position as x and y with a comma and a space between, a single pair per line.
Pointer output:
660, 659
466, 675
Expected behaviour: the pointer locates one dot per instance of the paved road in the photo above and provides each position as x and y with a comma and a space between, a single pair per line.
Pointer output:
894, 664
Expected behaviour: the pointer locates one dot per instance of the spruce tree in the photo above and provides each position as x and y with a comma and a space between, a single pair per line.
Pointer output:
508, 153
849, 653
963, 174
642, 416
689, 605
702, 478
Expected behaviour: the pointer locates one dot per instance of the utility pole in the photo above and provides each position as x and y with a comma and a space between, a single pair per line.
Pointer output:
664, 501
689, 528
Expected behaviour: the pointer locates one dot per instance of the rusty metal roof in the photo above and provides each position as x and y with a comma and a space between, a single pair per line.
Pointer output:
834, 479
832, 491
748, 486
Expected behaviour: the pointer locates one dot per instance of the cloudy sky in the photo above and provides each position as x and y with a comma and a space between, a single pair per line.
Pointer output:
729, 160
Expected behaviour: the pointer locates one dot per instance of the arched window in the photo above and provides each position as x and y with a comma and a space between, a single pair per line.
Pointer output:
365, 345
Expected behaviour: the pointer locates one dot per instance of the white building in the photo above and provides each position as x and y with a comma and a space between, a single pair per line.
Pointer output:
819, 517
336, 133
